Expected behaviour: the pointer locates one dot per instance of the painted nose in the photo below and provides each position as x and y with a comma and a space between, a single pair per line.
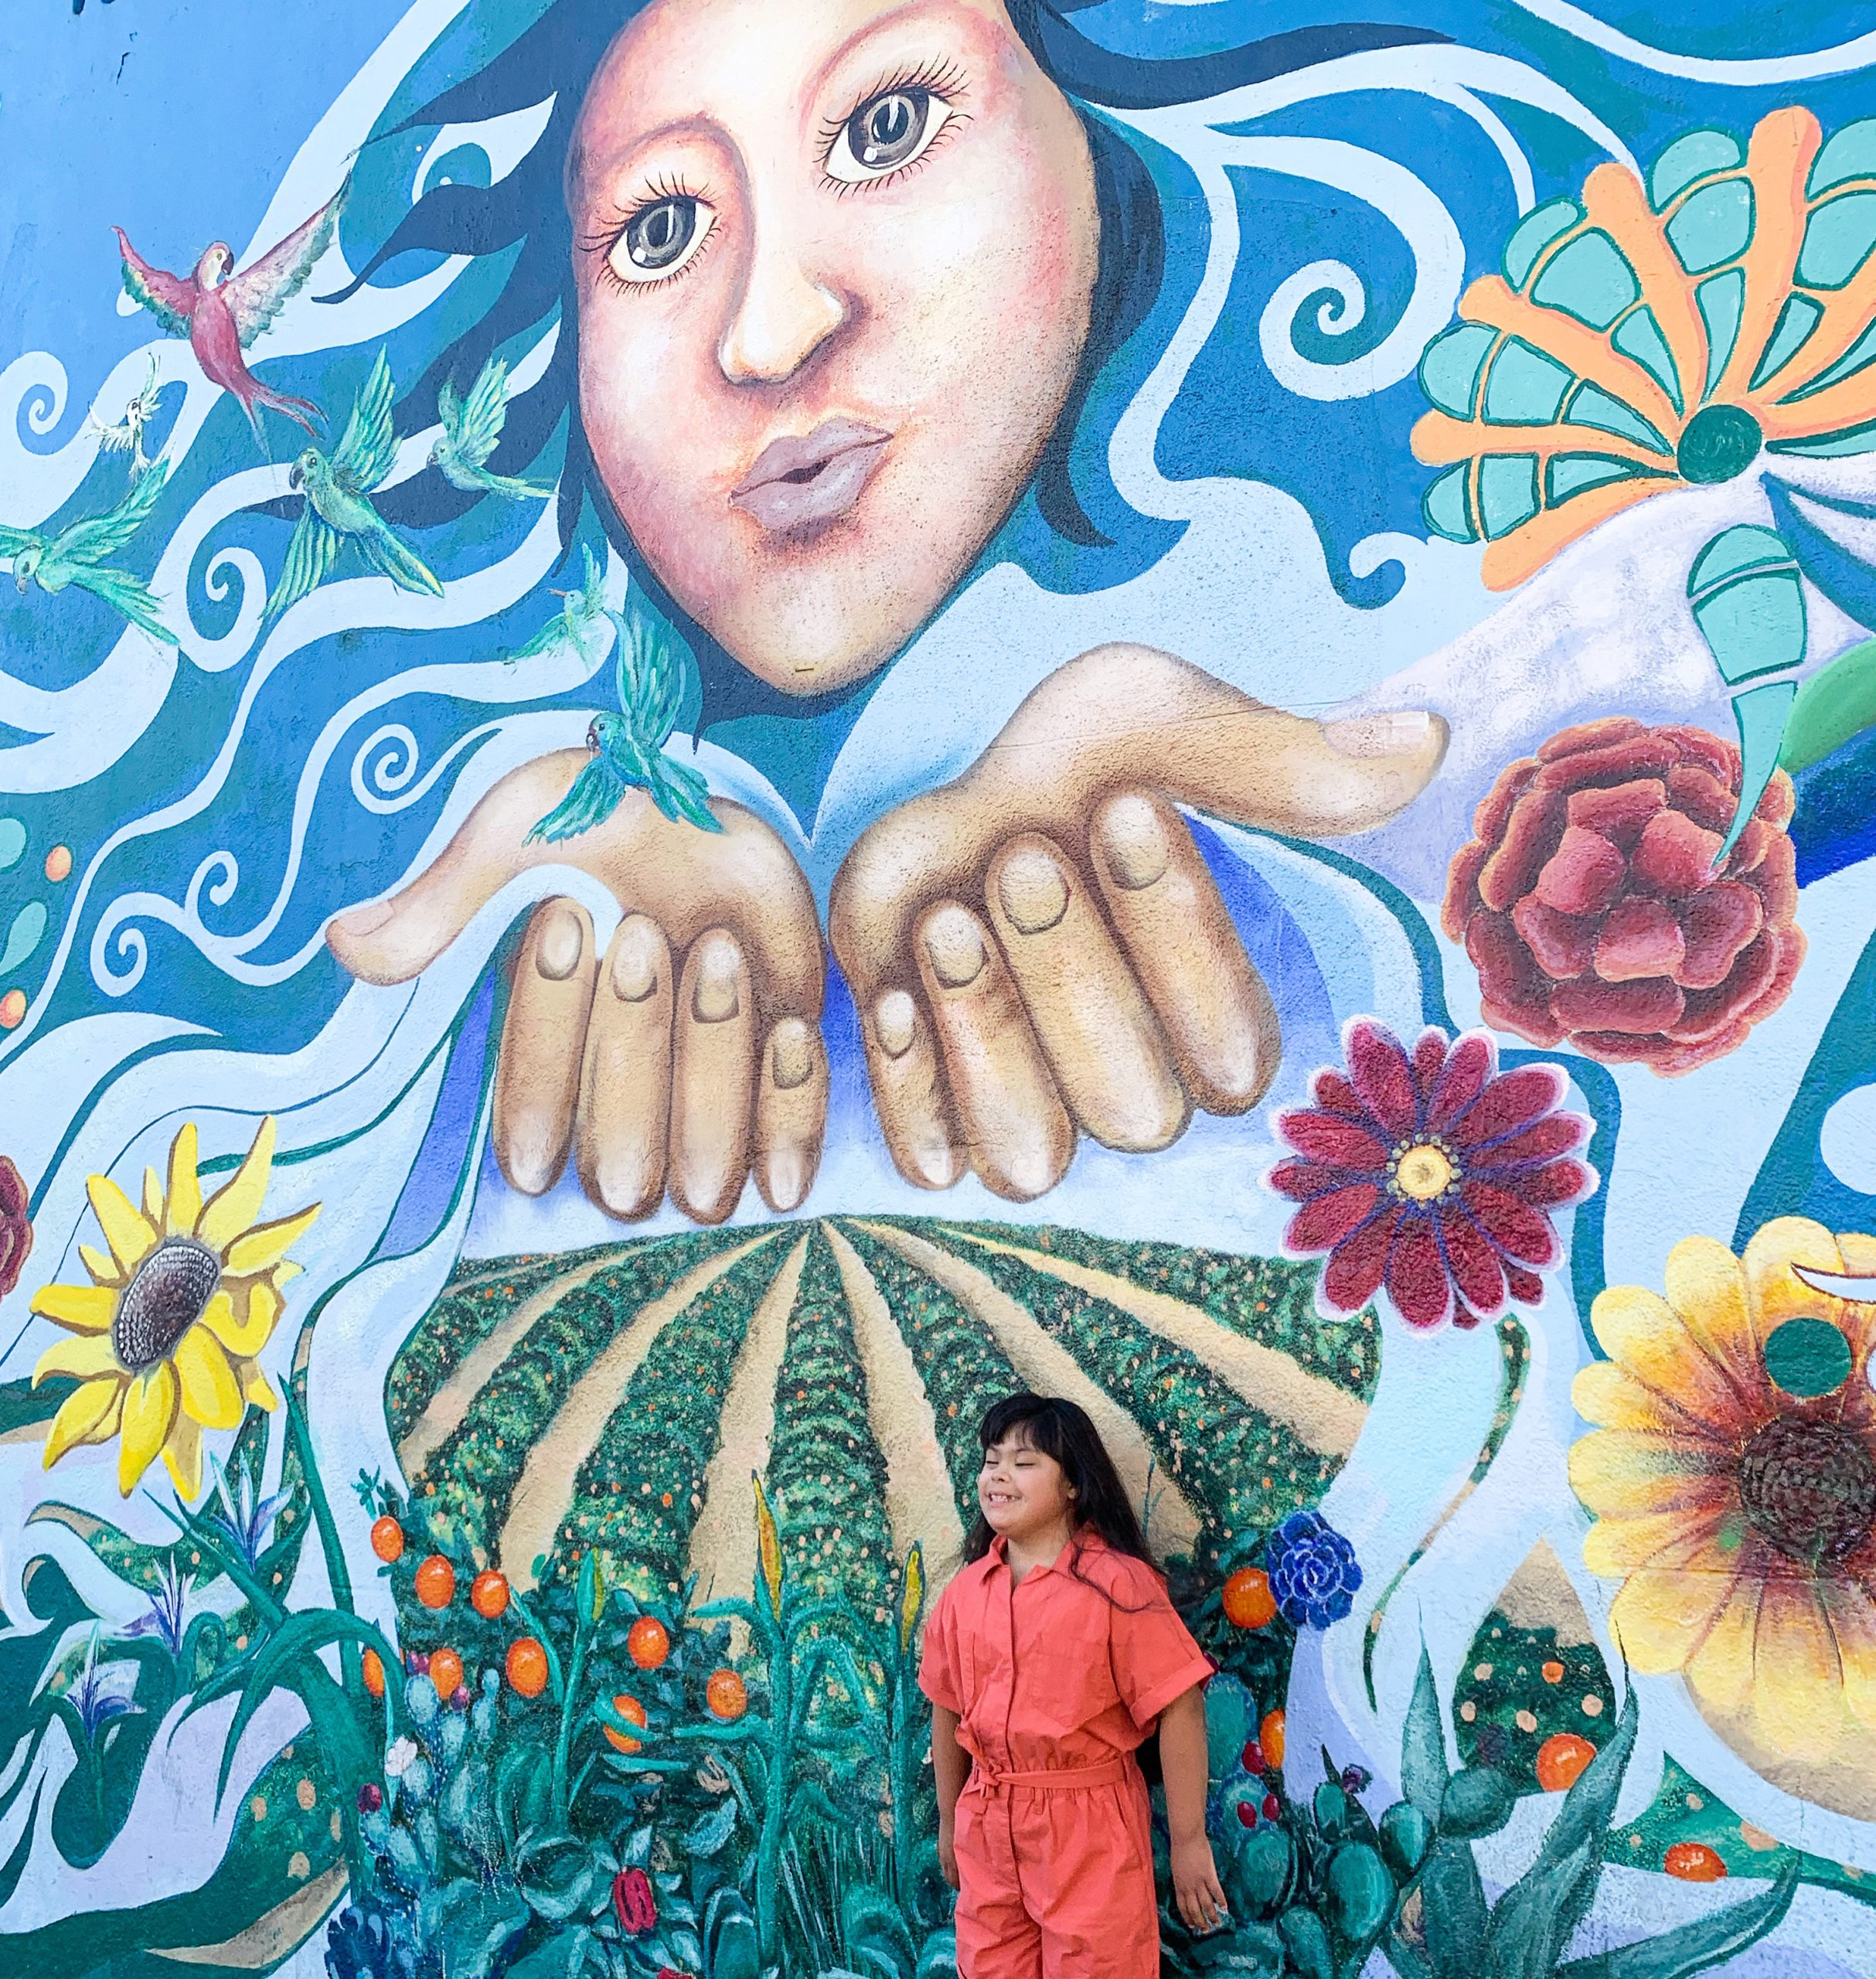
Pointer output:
784, 315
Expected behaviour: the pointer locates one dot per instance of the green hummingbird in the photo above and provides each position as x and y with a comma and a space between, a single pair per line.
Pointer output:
576, 619
337, 509
75, 556
628, 748
472, 431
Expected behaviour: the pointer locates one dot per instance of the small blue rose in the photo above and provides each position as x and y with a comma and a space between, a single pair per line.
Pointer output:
1313, 1574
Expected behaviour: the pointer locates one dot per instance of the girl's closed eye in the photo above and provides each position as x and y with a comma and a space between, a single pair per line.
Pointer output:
657, 238
894, 127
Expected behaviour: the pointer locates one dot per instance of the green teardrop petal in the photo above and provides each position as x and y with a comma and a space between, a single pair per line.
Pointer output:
1592, 405
1640, 338
1721, 299
1588, 280
1796, 321
1714, 226
1444, 507
1534, 233
1524, 387
1748, 603
1837, 241
1507, 492
1859, 353
1571, 474
24, 936
1450, 365
1851, 154
13, 841
1697, 155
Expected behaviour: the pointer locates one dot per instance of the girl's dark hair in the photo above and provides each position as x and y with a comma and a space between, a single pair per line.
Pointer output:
523, 218
1061, 1429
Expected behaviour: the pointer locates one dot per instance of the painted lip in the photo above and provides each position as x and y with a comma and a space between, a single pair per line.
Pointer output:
800, 483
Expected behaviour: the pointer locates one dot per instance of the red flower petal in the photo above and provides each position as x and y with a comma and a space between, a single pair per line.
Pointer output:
1333, 1093
1776, 878
1640, 938
1674, 856
1530, 837
1417, 1279
1477, 1270
1702, 748
1300, 1180
1719, 922
1562, 945
1429, 1061
1543, 1140
1651, 1003
1353, 1275
1527, 1286
1590, 735
1555, 1184
1518, 1230
1463, 887
1494, 807
1514, 995
1708, 1012
1619, 811
1620, 762
1324, 1137
1469, 1066
1583, 874
1511, 1100
1780, 801
1383, 1078
1322, 1224
1703, 797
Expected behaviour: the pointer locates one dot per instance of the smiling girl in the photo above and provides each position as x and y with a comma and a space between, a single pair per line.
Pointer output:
1049, 1661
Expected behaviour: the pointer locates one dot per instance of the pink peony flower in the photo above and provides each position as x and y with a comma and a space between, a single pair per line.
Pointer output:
1433, 1177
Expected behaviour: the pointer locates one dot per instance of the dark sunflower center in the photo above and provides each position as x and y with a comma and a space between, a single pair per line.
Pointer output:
173, 1288
1810, 1488
1719, 442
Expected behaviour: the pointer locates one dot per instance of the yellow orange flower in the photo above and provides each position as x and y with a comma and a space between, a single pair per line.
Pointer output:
1651, 335
165, 1340
1733, 1474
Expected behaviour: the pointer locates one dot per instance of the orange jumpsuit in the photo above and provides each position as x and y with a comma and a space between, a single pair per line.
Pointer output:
1054, 1684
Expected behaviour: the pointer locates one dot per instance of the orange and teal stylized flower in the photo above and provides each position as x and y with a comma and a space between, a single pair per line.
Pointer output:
1648, 336
165, 1339
1733, 1476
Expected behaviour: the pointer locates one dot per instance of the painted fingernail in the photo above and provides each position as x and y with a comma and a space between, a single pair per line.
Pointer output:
563, 939
955, 947
1033, 890
1367, 735
1135, 842
787, 1176
714, 1001
791, 1054
636, 956
366, 919
895, 1023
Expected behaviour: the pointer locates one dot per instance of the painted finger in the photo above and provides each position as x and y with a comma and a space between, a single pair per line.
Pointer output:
713, 1078
908, 1090
1097, 1029
790, 1114
537, 1081
625, 1081
1216, 1010
1018, 1132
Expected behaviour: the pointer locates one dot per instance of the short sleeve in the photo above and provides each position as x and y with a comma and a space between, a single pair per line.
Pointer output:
938, 1673
1155, 1659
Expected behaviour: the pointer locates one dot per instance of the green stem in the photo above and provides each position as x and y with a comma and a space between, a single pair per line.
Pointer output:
564, 1745
337, 1574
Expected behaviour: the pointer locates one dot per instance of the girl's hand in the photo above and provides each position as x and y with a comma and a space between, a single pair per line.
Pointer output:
948, 1856
1036, 950
1196, 1887
687, 1053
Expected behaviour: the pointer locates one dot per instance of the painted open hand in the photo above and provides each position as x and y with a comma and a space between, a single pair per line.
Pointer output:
690, 1051
1038, 948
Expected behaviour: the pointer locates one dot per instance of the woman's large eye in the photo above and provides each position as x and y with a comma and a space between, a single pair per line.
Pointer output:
660, 238
886, 134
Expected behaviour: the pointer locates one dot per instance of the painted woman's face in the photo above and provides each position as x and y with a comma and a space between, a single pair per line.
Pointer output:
835, 261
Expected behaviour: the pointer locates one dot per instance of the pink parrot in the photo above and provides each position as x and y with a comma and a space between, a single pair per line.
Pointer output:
221, 315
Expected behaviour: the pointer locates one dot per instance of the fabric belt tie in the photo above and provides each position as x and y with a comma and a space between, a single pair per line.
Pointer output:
990, 1780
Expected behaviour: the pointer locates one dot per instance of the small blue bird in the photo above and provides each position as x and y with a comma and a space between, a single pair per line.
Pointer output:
472, 431
576, 621
337, 507
628, 748
76, 554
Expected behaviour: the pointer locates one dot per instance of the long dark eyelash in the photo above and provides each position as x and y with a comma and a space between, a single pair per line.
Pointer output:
603, 239
944, 80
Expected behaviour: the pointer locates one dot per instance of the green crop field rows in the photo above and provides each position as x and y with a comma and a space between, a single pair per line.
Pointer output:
826, 1474
1270, 1300
638, 1496
1240, 1469
963, 1369
474, 1471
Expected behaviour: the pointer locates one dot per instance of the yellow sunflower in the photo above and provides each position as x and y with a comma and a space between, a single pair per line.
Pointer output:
168, 1335
1733, 1474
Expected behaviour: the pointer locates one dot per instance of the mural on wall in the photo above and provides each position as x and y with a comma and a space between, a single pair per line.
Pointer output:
726, 728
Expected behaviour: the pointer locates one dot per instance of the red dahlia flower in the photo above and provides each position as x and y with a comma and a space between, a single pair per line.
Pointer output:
1432, 1176
1589, 903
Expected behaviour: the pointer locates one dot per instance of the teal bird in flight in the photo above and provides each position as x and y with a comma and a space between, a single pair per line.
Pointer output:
472, 431
575, 621
337, 509
628, 751
76, 555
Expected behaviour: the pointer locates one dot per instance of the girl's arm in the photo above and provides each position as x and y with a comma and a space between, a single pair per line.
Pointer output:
1185, 1763
950, 1767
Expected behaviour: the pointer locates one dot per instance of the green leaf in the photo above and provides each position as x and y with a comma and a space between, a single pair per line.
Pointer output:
476, 1923
709, 1832
1453, 1906
1361, 1893
1424, 1772
1477, 1801
1696, 1946
1257, 1877
730, 1936
1835, 704
875, 1931
1307, 1943
1406, 1835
